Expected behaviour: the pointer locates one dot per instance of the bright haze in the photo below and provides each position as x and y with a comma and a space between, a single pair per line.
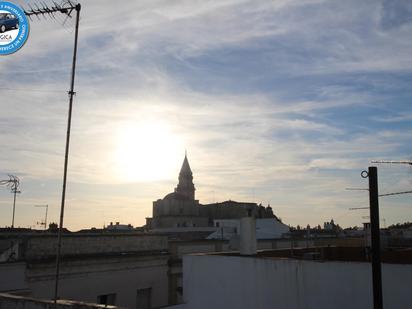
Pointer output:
280, 102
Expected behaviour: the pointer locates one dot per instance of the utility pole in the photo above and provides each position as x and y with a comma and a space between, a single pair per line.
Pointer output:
66, 9
374, 195
372, 174
13, 183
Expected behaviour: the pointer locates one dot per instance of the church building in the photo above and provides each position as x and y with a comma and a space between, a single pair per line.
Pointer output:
180, 208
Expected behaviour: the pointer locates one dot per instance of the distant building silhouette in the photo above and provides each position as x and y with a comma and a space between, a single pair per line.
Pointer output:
119, 227
181, 209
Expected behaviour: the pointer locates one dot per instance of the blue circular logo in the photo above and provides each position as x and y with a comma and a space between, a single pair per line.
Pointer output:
14, 28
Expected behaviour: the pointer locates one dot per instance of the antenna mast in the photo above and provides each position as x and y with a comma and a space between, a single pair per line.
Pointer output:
44, 223
66, 8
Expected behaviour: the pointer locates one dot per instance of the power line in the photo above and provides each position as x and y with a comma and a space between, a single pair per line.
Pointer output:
392, 162
32, 90
386, 194
395, 193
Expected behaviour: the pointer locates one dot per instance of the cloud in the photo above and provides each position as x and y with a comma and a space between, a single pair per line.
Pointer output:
396, 118
280, 101
395, 14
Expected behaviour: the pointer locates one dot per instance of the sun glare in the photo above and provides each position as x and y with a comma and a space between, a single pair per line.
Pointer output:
147, 151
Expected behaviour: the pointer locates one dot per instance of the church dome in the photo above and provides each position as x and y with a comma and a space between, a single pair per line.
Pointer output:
176, 196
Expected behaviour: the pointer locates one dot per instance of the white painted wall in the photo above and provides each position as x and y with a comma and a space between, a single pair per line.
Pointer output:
247, 282
85, 280
8, 301
268, 228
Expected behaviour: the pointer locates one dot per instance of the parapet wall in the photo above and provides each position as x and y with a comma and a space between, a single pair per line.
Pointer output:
44, 247
8, 301
223, 281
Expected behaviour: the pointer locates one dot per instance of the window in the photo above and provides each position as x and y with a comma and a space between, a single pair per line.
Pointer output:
144, 298
107, 299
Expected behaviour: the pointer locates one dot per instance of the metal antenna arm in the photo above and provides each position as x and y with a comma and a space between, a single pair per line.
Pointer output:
66, 9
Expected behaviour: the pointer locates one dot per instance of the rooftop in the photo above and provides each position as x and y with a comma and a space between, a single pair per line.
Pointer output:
331, 253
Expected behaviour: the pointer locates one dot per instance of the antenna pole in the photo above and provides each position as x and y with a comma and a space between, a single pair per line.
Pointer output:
67, 8
66, 157
45, 218
44, 223
14, 206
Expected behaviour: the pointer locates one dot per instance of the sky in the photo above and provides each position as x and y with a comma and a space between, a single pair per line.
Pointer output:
276, 102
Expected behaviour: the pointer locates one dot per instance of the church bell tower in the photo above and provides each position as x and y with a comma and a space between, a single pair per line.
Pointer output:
185, 186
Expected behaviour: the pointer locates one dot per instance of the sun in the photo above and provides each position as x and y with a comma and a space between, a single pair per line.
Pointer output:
147, 151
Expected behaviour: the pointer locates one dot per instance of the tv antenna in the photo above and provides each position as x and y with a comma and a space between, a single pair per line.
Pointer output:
66, 8
13, 183
43, 223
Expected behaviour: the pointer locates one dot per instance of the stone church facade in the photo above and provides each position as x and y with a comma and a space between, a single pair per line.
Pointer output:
181, 209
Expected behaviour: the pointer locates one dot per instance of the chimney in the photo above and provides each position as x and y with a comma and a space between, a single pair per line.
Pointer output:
367, 234
248, 245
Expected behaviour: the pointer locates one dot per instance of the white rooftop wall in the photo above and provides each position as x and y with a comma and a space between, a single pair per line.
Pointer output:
246, 283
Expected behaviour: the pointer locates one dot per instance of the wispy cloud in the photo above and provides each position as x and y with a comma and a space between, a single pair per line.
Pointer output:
282, 102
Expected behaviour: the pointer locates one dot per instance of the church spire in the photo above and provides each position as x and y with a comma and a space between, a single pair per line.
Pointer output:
185, 169
185, 185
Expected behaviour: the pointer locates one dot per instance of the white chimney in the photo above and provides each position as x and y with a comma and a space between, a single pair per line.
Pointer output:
248, 245
367, 234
